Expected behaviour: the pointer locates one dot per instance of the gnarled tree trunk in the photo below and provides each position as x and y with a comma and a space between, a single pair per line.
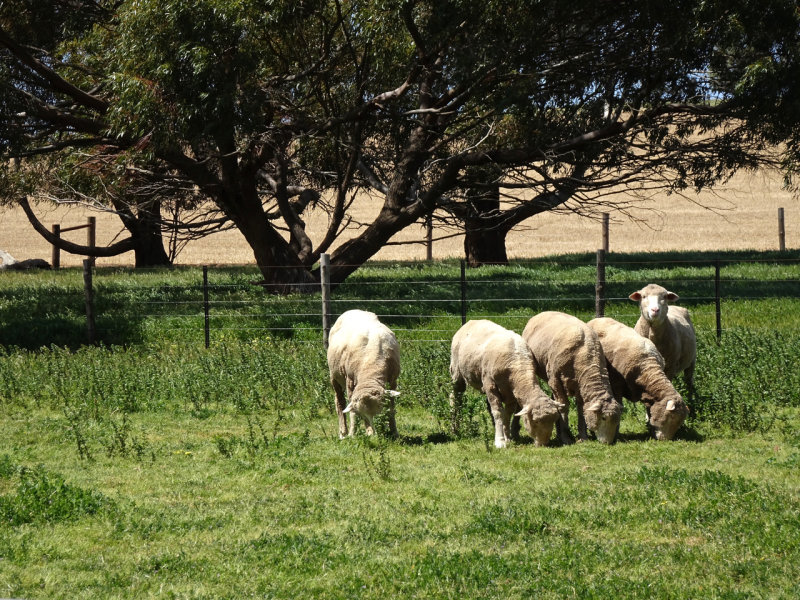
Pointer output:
484, 234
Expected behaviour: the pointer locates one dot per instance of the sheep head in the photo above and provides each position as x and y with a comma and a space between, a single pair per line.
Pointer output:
654, 302
602, 416
539, 418
666, 417
369, 402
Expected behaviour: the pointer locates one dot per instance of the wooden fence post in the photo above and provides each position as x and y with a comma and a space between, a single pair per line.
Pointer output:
600, 286
325, 282
91, 236
206, 308
463, 292
605, 232
89, 297
429, 238
56, 255
781, 232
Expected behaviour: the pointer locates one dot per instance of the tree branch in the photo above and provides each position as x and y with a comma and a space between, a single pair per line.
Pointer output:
113, 250
58, 83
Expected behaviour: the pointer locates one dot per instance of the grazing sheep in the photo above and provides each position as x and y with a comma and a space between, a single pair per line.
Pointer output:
497, 362
670, 329
364, 356
569, 357
636, 371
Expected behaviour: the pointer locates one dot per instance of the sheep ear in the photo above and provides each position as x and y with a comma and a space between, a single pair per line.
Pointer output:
671, 405
393, 393
559, 405
348, 408
525, 411
596, 407
671, 296
636, 296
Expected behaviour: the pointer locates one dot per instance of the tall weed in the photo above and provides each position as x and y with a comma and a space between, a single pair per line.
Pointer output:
42, 497
744, 379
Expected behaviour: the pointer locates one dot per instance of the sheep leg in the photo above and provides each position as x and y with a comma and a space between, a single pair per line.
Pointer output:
340, 406
497, 411
508, 415
391, 414
562, 425
456, 404
351, 386
688, 378
515, 423
582, 433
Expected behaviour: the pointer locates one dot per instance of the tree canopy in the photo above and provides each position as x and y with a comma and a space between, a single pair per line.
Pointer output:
270, 109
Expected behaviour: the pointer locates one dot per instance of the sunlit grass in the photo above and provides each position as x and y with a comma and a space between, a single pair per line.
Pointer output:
154, 467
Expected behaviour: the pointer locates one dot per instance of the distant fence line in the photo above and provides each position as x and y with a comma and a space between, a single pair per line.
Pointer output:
455, 305
91, 227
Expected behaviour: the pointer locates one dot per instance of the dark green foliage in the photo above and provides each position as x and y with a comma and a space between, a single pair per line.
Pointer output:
747, 377
42, 497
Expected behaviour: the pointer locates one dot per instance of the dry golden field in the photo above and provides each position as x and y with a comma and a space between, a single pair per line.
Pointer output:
743, 215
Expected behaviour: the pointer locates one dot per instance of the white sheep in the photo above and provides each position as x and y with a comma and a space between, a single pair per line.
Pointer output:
498, 363
636, 371
363, 357
569, 357
670, 329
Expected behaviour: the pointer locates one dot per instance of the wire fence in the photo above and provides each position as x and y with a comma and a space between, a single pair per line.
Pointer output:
430, 304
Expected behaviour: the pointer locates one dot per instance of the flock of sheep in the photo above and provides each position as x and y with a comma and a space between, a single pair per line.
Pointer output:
598, 363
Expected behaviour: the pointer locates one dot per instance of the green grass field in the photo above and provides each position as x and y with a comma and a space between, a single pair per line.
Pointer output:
150, 466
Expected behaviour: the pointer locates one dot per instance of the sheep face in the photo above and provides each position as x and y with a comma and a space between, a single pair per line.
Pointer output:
539, 419
653, 302
369, 403
603, 419
666, 417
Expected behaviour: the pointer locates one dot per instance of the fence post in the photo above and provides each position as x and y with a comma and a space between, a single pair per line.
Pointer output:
91, 236
325, 282
88, 293
717, 299
781, 232
56, 255
206, 308
600, 287
463, 292
429, 238
605, 232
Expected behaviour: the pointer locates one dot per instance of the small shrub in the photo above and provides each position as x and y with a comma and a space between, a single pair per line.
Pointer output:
44, 497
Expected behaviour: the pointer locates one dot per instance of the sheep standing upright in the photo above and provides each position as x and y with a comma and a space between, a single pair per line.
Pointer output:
636, 371
670, 329
569, 357
363, 357
497, 362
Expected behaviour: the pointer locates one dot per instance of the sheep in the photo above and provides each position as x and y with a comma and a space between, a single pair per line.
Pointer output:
569, 357
670, 329
363, 356
636, 371
497, 362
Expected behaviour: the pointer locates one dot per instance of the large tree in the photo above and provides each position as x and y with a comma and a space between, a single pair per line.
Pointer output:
38, 130
441, 106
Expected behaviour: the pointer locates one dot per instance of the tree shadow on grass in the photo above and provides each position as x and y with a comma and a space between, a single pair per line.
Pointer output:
432, 438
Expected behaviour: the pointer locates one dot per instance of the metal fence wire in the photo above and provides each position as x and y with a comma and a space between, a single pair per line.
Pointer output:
428, 309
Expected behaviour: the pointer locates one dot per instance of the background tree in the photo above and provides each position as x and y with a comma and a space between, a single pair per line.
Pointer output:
44, 114
572, 102
268, 112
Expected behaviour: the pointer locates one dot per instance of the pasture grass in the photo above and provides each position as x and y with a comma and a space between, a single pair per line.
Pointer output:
149, 466
300, 513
